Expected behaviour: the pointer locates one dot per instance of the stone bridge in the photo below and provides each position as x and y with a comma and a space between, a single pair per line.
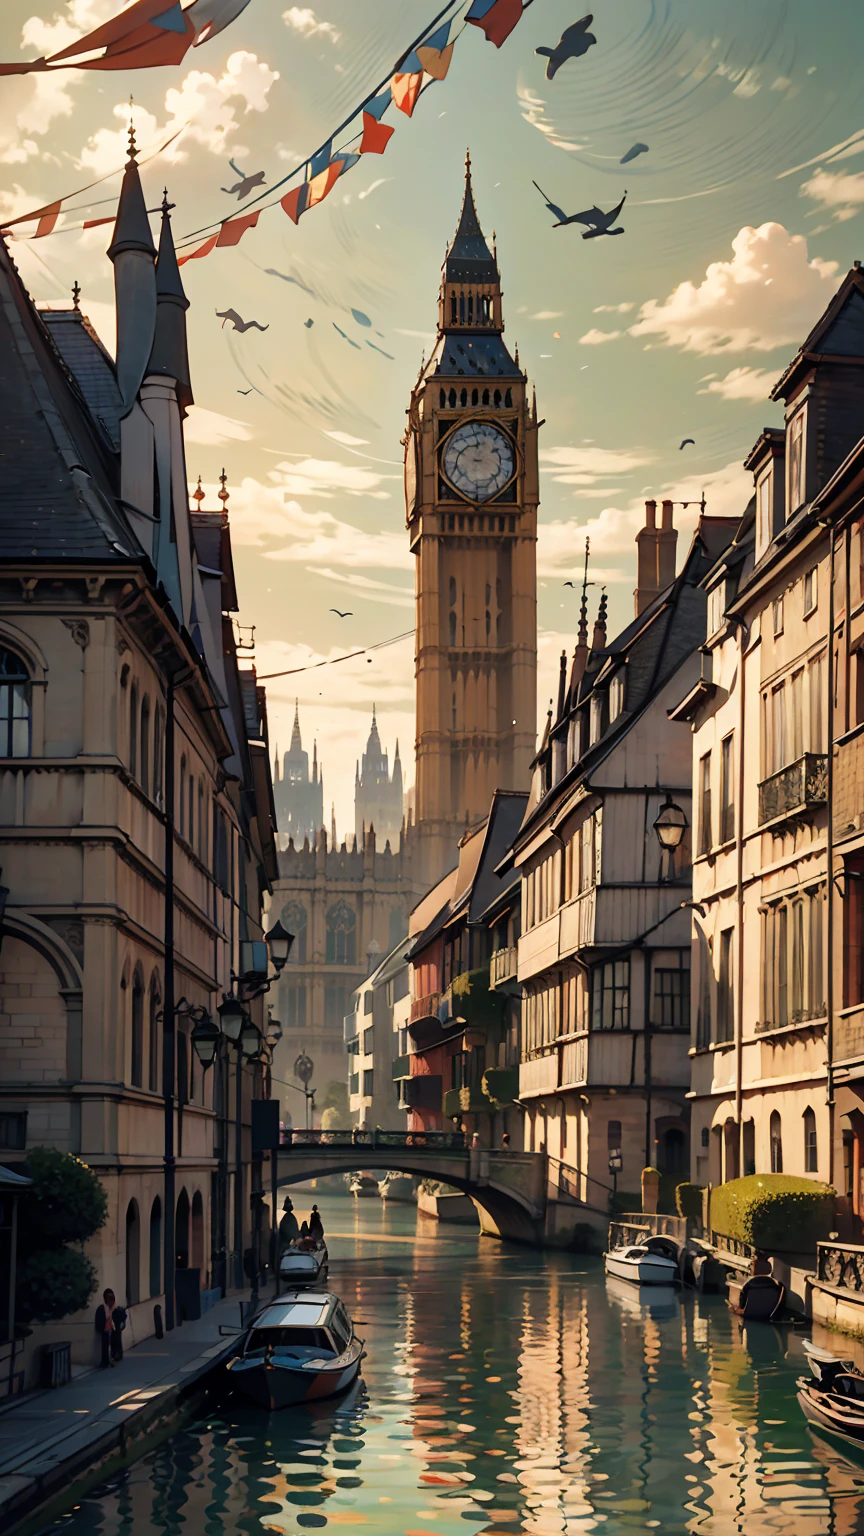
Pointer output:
522, 1196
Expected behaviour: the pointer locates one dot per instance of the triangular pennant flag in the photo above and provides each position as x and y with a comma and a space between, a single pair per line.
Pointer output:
410, 64
320, 185
294, 202
436, 61
378, 104
439, 38
376, 136
49, 218
347, 162
170, 21
95, 223
233, 230
203, 250
496, 18
406, 89
321, 160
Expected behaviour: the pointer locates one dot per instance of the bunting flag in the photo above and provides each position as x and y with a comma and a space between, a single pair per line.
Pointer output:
233, 230
146, 35
405, 90
376, 136
496, 18
49, 218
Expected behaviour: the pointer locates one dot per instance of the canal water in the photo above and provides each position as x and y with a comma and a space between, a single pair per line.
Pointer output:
504, 1391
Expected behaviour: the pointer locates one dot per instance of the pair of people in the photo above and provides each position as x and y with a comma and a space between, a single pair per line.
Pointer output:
291, 1232
110, 1322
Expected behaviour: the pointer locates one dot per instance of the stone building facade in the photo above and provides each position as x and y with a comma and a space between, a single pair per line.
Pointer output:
378, 792
298, 794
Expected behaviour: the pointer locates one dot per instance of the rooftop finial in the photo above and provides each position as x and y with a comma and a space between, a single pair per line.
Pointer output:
76, 294
166, 206
133, 148
224, 493
583, 612
198, 494
467, 165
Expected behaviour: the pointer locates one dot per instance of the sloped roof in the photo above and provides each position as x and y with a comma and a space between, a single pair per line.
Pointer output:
91, 366
58, 478
469, 258
838, 333
505, 819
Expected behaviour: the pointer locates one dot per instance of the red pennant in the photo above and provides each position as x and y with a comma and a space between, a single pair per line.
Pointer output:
376, 136
233, 231
94, 223
499, 20
50, 215
294, 202
406, 89
203, 250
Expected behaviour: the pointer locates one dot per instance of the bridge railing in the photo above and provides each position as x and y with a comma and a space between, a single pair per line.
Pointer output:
577, 1186
415, 1141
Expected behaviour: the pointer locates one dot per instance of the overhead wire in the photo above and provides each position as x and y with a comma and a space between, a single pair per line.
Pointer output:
312, 666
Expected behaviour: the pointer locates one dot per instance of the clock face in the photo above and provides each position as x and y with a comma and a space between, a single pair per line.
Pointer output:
478, 460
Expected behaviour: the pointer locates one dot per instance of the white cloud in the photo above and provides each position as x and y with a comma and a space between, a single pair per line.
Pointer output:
347, 439
204, 106
327, 477
370, 590
302, 19
585, 465
547, 314
420, 335
264, 516
768, 295
210, 428
614, 309
595, 338
837, 191
742, 384
382, 180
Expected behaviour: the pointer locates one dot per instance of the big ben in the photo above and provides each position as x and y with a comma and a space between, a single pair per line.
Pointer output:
471, 495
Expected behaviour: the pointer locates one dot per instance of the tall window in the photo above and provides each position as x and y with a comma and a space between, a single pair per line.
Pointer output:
716, 599
727, 790
671, 997
705, 803
616, 695
137, 1066
611, 995
798, 1010
795, 701
811, 1146
706, 976
793, 959
853, 922
294, 995
816, 679
341, 935
782, 966
796, 463
776, 1134
811, 590
763, 514
202, 824
14, 706
156, 1248
158, 745
725, 994
155, 1030
182, 796
144, 746
613, 1136
133, 730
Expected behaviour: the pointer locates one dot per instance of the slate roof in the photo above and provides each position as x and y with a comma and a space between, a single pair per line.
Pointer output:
469, 258
58, 479
505, 819
477, 355
91, 366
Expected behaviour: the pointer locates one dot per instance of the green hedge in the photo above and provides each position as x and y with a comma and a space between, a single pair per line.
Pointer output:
688, 1201
774, 1211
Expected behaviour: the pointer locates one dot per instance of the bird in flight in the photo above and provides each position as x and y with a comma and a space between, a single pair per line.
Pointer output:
347, 615
573, 42
238, 323
569, 583
246, 184
687, 440
633, 151
598, 223
308, 324
248, 391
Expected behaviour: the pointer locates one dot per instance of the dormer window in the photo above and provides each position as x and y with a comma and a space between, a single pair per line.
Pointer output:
796, 462
764, 520
716, 605
596, 718
616, 695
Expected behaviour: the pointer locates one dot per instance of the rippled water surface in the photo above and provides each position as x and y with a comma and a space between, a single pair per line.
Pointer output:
504, 1391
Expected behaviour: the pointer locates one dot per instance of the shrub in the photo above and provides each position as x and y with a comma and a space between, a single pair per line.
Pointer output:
331, 1120
336, 1097
67, 1202
53, 1283
688, 1201
774, 1211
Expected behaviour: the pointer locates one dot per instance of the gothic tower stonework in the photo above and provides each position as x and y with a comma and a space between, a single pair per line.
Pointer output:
471, 493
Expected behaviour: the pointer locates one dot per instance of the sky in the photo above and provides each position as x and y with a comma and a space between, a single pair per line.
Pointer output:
740, 221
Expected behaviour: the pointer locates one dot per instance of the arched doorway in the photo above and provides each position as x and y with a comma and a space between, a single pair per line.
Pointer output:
156, 1247
197, 1257
133, 1254
181, 1231
673, 1151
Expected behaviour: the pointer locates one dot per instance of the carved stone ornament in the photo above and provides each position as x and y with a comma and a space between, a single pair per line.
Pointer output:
79, 630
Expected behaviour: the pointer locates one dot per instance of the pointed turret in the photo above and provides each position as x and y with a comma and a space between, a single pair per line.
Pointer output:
170, 356
296, 741
470, 297
598, 642
276, 765
134, 255
314, 762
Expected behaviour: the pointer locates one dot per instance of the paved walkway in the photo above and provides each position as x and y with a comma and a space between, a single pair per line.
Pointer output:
50, 1439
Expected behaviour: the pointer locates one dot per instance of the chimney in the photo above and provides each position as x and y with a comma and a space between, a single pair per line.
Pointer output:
655, 555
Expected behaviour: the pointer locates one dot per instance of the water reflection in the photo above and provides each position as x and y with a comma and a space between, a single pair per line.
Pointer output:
504, 1392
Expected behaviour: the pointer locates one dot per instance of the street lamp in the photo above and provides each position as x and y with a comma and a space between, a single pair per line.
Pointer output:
670, 826
304, 1068
279, 942
205, 1039
251, 1041
232, 1016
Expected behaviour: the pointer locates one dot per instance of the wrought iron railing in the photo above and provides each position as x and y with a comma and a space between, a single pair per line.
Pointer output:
578, 1186
800, 784
840, 1264
425, 1007
433, 1140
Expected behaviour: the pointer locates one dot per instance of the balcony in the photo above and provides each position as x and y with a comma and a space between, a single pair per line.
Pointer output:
465, 1101
802, 786
503, 966
350, 1028
469, 1000
501, 1085
424, 1008
401, 1068
423, 1092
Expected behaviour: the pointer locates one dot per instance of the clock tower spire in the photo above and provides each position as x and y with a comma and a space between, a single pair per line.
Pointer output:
471, 490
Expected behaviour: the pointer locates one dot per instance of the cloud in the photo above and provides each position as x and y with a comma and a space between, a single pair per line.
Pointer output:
347, 439
547, 314
32, 103
367, 588
213, 103
420, 335
837, 191
302, 19
766, 296
614, 309
742, 384
210, 428
327, 477
595, 338
264, 516
586, 465
382, 180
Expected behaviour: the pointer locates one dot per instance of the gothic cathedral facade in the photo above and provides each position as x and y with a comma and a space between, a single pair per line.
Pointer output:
471, 494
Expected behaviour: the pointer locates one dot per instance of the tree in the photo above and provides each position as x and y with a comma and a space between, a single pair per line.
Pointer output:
336, 1098
67, 1202
52, 1283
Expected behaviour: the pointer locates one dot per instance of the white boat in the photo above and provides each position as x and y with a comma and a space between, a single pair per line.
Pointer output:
398, 1186
659, 1301
641, 1265
299, 1348
303, 1263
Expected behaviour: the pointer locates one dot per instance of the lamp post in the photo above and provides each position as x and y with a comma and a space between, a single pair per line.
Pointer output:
304, 1068
670, 826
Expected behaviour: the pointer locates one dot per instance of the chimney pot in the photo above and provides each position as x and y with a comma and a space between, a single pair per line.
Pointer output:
650, 514
667, 516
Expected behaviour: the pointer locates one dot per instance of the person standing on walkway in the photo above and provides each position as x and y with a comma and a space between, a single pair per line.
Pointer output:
316, 1225
110, 1319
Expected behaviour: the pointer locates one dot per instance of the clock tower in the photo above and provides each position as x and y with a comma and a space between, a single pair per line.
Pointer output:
471, 495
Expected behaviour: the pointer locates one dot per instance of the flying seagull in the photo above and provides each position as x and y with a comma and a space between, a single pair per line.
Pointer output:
569, 583
687, 440
598, 222
308, 324
345, 337
347, 615
238, 323
573, 42
633, 151
249, 391
246, 184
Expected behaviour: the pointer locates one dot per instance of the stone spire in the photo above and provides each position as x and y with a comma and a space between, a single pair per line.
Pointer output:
133, 255
470, 296
296, 740
469, 256
170, 355
598, 642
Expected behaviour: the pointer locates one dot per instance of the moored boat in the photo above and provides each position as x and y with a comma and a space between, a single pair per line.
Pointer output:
648, 1263
832, 1398
303, 1263
299, 1348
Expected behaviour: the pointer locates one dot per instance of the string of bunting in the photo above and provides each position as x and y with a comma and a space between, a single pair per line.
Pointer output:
49, 213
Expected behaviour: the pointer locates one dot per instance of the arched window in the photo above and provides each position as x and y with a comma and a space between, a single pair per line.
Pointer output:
155, 1030
452, 591
442, 398
475, 397
14, 706
133, 730
811, 1145
485, 397
137, 1067
156, 1248
133, 1254
197, 1231
508, 398
202, 824
190, 811
158, 745
144, 744
341, 935
182, 797
496, 398
776, 1143
181, 1231
452, 398
295, 920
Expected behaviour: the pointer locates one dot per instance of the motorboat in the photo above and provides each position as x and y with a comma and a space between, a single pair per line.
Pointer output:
659, 1301
299, 1348
832, 1398
652, 1262
303, 1262
363, 1185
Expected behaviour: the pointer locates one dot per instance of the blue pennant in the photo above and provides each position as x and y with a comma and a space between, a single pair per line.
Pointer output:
170, 21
